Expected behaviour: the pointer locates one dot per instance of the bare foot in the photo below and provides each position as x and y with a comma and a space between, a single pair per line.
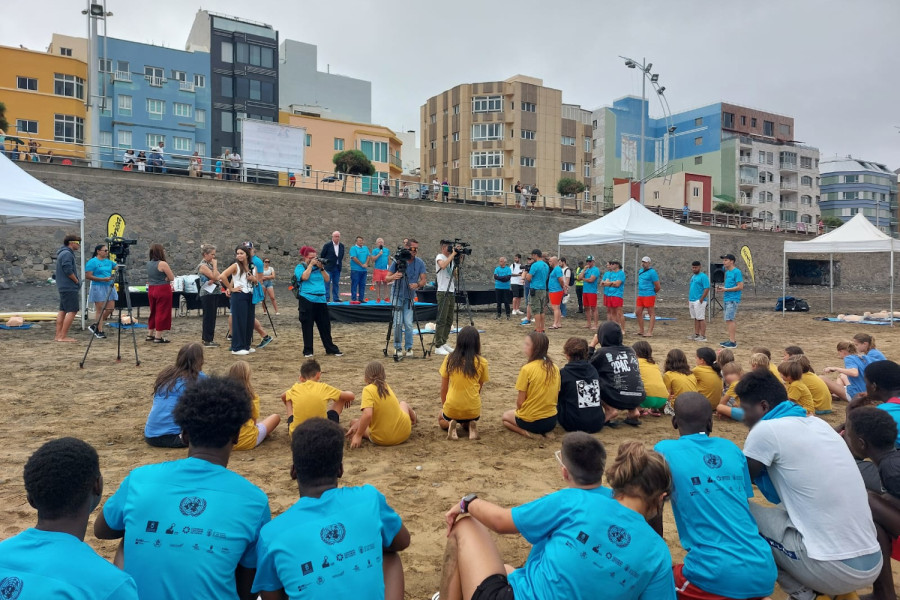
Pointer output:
451, 431
473, 433
412, 416
66, 339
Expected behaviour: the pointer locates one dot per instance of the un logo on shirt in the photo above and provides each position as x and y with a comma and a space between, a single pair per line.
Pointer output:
333, 534
713, 461
10, 588
192, 506
618, 536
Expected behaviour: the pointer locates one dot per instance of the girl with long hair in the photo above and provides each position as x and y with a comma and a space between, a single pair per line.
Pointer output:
708, 375
239, 280
100, 271
538, 386
253, 432
385, 421
654, 386
851, 373
463, 374
161, 430
159, 293
677, 375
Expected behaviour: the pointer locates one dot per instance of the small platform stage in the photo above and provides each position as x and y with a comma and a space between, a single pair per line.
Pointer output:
376, 312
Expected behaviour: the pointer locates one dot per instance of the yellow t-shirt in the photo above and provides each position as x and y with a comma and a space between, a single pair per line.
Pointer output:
541, 391
247, 436
390, 425
653, 380
464, 393
773, 369
679, 383
310, 399
709, 383
730, 393
799, 393
821, 395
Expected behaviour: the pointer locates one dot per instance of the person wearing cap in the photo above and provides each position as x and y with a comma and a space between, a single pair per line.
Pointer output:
731, 297
67, 284
591, 279
698, 293
648, 286
614, 292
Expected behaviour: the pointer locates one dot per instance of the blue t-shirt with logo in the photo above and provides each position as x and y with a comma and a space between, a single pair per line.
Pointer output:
699, 284
539, 271
188, 525
328, 547
51, 564
590, 287
646, 279
362, 254
161, 420
502, 272
553, 284
381, 256
313, 289
100, 267
612, 291
414, 270
581, 538
715, 526
732, 278
893, 409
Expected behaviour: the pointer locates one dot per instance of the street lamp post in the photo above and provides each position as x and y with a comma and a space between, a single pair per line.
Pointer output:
645, 68
95, 11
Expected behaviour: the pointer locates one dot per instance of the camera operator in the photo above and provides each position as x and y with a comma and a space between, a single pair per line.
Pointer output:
446, 295
313, 307
407, 264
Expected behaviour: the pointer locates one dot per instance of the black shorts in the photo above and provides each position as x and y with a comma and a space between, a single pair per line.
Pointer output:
171, 440
460, 421
495, 587
334, 416
68, 301
517, 290
539, 427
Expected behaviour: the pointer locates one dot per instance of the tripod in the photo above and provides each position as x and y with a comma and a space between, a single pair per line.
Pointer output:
714, 300
462, 291
122, 283
397, 307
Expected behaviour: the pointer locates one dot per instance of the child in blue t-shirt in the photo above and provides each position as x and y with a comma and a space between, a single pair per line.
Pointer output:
335, 542
853, 369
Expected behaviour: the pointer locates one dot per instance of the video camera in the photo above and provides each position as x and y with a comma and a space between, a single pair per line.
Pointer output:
120, 247
402, 258
461, 247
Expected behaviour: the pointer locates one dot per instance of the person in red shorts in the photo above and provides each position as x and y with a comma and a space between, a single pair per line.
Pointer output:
591, 278
648, 287
614, 292
557, 286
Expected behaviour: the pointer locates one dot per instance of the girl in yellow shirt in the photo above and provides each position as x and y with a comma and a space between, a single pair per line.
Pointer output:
253, 432
708, 375
385, 420
729, 405
792, 373
654, 387
538, 386
678, 376
463, 373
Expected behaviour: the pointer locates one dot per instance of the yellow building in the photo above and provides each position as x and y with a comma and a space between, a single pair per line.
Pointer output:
45, 96
325, 137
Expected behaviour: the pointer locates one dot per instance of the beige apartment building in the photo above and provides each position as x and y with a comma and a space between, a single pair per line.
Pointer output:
484, 137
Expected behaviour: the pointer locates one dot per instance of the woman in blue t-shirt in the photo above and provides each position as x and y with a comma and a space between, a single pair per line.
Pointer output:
313, 306
99, 271
161, 430
865, 343
580, 535
854, 366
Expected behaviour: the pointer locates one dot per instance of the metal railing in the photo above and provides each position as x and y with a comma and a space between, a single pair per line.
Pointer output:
395, 160
122, 76
786, 165
186, 86
749, 180
746, 159
787, 185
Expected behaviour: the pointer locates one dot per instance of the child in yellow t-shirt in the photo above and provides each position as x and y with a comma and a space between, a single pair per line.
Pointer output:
310, 398
538, 386
708, 375
729, 405
385, 421
654, 387
821, 395
252, 432
797, 391
678, 376
463, 373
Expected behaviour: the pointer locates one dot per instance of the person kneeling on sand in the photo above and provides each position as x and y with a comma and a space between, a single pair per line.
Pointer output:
385, 421
538, 388
580, 535
579, 405
621, 386
463, 373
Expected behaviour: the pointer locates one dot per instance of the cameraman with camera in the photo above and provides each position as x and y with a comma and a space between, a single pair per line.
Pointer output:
446, 294
409, 266
313, 278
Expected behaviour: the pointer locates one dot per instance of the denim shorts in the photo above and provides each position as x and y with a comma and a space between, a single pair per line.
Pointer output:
730, 310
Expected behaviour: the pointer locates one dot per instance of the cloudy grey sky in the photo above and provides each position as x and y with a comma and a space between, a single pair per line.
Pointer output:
831, 64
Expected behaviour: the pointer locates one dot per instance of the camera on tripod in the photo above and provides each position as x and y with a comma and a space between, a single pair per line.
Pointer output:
462, 248
120, 247
402, 258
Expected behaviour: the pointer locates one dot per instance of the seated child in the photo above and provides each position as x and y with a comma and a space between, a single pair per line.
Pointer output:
724, 356
790, 352
463, 373
772, 367
678, 376
385, 421
850, 380
654, 386
707, 373
820, 394
161, 430
311, 398
578, 406
792, 373
729, 405
759, 360
253, 432
538, 390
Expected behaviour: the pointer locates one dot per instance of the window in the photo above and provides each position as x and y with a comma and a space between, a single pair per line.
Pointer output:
455, 137
699, 121
67, 128
124, 139
156, 108
456, 164
374, 151
154, 75
487, 160
695, 191
242, 52
848, 195
789, 216
528, 134
268, 92
308, 140
806, 200
124, 106
227, 86
568, 141
338, 143
769, 128
656, 195
227, 124
179, 109
784, 129
587, 144
123, 66
227, 52
239, 120
182, 144
179, 75
743, 121
267, 58
65, 52
806, 162
526, 161
433, 144
199, 80
200, 147
68, 85
728, 120
200, 117
587, 170
27, 126
698, 141
155, 139
765, 177
487, 187
255, 52
241, 87
487, 131
529, 107
487, 104
568, 167
762, 158
255, 87
698, 160
851, 178
26, 83
806, 181
105, 139
433, 118
752, 121
434, 170
806, 218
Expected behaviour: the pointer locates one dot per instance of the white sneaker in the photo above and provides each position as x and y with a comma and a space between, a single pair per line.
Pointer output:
410, 353
448, 348
440, 351
398, 355
699, 338
252, 349
240, 352
693, 337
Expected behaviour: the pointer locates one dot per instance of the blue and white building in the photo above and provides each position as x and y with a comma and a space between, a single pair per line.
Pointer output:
851, 185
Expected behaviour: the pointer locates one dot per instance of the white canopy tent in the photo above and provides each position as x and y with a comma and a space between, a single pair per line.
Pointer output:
632, 224
856, 235
26, 201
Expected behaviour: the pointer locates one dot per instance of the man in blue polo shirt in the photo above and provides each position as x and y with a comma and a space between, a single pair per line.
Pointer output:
537, 277
591, 278
648, 287
731, 297
614, 293
381, 257
359, 262
191, 525
698, 292
502, 286
402, 298
711, 487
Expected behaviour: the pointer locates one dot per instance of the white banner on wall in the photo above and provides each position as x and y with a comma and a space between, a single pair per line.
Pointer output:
272, 146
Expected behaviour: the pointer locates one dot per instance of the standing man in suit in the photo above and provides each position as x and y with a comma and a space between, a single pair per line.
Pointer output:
333, 252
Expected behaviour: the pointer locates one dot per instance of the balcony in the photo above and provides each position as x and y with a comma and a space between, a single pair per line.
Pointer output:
155, 81
789, 186
186, 86
122, 76
746, 159
787, 165
748, 181
789, 204
396, 162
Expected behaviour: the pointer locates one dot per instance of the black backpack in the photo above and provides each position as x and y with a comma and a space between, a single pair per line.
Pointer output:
295, 286
571, 277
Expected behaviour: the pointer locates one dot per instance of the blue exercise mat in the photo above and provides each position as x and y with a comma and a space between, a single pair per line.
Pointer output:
23, 326
867, 322
647, 317
454, 330
135, 326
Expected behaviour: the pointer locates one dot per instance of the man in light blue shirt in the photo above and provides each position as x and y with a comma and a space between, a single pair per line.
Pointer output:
731, 297
591, 278
613, 283
359, 262
190, 526
648, 287
402, 298
537, 277
698, 291
381, 257
502, 286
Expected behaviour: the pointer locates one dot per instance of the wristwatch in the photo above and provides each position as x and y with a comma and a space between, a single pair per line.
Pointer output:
465, 502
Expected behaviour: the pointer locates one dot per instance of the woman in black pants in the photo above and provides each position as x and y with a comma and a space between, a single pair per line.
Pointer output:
243, 277
313, 308
208, 269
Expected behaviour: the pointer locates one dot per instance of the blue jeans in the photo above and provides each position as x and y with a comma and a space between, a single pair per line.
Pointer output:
730, 310
403, 320
358, 285
332, 291
562, 308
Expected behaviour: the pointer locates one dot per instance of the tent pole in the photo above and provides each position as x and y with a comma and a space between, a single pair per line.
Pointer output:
636, 252
83, 291
783, 279
892, 286
831, 279
708, 303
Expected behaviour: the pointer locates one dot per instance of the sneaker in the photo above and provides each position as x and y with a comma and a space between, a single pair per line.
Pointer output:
525, 322
448, 348
410, 353
507, 317
398, 355
338, 354
693, 337
277, 313
240, 352
669, 409
265, 341
728, 344
309, 355
210, 345
227, 336
699, 338
93, 329
100, 335
251, 349
440, 351
498, 317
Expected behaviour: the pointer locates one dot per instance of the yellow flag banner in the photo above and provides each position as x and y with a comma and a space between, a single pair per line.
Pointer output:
748, 260
115, 227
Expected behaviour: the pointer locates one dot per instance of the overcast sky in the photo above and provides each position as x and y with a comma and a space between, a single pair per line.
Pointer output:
831, 64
